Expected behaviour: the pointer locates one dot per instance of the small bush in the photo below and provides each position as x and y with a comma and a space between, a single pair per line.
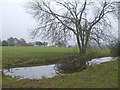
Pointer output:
72, 65
115, 49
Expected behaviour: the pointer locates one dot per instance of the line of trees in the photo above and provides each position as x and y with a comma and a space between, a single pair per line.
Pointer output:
13, 42
20, 42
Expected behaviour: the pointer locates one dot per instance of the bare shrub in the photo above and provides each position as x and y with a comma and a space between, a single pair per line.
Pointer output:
72, 65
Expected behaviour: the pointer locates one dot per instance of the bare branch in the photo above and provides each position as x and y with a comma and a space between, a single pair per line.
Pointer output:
75, 17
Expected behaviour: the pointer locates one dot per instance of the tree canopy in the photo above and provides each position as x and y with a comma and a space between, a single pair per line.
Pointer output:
59, 19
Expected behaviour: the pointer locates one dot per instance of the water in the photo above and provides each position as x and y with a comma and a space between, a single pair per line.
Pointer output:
101, 60
37, 72
46, 71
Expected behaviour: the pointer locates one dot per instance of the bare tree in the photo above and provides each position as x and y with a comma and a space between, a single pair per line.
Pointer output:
60, 18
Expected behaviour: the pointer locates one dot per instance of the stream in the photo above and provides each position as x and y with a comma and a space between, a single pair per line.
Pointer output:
47, 71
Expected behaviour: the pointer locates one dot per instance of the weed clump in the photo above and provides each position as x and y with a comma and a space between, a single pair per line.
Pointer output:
72, 65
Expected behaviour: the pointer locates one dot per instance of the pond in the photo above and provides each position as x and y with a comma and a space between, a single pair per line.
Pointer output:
47, 71
37, 72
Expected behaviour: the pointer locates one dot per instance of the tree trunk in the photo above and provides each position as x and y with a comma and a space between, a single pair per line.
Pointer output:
78, 42
82, 50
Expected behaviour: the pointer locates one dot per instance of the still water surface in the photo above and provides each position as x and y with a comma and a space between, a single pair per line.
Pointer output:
46, 71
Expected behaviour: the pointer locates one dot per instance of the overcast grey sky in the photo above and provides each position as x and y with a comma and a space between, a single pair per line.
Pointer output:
16, 22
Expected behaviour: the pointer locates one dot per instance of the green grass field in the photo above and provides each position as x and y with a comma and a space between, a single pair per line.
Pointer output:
30, 56
34, 56
98, 76
34, 52
104, 75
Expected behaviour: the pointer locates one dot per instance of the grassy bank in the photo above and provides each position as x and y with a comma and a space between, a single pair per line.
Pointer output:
104, 75
33, 56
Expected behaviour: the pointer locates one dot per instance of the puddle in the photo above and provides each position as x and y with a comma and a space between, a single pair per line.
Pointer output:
46, 71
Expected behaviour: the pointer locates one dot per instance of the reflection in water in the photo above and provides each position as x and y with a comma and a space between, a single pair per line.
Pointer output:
46, 71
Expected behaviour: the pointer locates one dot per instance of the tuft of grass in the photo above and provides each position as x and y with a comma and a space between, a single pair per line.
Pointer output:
104, 75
